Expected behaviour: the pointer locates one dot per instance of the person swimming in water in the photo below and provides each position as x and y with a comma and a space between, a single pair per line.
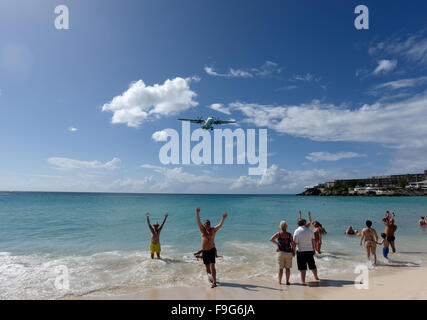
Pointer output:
155, 236
371, 238
350, 231
422, 222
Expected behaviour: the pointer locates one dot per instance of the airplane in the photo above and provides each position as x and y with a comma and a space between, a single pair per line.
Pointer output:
208, 123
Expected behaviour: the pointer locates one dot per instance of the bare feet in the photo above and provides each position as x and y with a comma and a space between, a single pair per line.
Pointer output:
213, 285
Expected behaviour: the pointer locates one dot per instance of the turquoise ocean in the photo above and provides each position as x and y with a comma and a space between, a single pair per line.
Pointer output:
103, 240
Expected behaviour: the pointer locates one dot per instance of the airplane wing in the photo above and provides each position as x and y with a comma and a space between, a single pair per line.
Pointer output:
223, 122
193, 120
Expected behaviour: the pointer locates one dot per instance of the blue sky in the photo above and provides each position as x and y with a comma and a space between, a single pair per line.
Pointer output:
337, 102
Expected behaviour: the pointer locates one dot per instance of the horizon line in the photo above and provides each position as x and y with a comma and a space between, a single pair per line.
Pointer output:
150, 193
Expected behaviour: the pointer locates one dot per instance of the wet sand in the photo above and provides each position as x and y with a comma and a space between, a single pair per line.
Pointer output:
394, 282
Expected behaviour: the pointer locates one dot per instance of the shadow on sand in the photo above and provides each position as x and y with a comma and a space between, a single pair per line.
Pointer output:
249, 287
326, 283
398, 264
321, 283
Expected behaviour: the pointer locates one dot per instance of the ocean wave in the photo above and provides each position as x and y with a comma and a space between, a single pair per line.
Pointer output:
36, 276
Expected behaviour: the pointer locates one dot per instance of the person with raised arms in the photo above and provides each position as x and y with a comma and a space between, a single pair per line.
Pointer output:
155, 236
305, 241
208, 245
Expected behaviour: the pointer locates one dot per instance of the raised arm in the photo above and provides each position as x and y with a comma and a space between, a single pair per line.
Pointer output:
309, 219
224, 215
163, 223
148, 222
198, 220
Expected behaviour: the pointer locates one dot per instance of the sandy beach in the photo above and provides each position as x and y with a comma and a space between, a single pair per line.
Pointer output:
387, 283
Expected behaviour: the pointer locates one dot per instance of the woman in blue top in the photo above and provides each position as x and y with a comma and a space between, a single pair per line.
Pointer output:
285, 250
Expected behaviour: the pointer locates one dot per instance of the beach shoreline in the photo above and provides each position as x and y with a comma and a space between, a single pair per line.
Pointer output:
385, 283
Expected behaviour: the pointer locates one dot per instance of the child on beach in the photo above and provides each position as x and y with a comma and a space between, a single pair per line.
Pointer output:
155, 236
385, 245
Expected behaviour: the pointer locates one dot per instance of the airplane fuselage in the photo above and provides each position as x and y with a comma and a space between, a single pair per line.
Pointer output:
208, 123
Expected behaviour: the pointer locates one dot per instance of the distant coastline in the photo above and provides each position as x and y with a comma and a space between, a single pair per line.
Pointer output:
402, 185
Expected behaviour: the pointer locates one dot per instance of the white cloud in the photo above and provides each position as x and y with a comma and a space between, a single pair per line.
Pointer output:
232, 73
287, 88
168, 180
361, 72
327, 156
385, 66
308, 77
141, 102
413, 48
72, 129
411, 160
275, 178
67, 163
267, 69
160, 136
239, 73
400, 123
402, 83
210, 71
220, 108
177, 180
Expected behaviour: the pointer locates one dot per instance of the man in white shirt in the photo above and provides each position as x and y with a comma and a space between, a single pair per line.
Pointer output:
304, 239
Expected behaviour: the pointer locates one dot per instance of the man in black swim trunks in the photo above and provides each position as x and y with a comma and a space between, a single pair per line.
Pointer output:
208, 245
390, 229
